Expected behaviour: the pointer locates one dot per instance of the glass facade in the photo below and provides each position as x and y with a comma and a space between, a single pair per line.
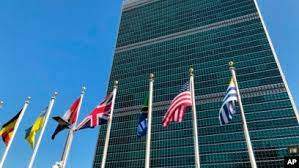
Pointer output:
165, 37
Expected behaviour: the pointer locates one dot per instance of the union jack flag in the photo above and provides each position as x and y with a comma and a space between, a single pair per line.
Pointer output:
178, 106
98, 116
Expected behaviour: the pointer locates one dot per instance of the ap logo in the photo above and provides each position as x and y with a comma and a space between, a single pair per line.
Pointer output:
292, 162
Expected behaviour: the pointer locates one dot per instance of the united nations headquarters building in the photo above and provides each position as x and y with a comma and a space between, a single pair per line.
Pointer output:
166, 37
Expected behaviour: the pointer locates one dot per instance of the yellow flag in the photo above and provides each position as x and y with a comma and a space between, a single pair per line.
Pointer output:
36, 127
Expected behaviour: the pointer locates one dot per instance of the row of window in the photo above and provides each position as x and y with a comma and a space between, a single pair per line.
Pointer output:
197, 43
128, 99
206, 111
252, 105
214, 121
166, 8
208, 144
135, 151
201, 74
202, 38
270, 154
216, 129
140, 67
214, 20
262, 164
155, 24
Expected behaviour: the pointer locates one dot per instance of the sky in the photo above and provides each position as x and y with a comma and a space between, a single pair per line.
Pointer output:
62, 45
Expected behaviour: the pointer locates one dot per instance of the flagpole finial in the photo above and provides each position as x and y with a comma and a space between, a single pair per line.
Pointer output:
83, 90
1, 103
28, 99
152, 76
115, 83
54, 95
191, 71
231, 64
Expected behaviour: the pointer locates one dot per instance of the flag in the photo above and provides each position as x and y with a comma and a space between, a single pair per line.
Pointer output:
99, 115
69, 118
8, 128
142, 121
145, 103
228, 107
178, 106
36, 127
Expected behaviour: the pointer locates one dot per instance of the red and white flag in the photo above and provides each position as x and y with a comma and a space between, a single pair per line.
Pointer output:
68, 119
178, 106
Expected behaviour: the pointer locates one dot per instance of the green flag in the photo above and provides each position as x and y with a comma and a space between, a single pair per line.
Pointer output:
145, 103
142, 121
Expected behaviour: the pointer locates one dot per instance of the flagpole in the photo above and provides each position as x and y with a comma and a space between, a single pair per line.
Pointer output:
149, 122
49, 110
15, 130
194, 119
1, 104
105, 151
246, 132
70, 136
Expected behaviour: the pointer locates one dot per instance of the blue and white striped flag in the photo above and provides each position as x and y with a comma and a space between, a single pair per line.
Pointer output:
228, 106
142, 125
142, 121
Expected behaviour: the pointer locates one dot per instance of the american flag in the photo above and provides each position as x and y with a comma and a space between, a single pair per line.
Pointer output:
178, 106
98, 116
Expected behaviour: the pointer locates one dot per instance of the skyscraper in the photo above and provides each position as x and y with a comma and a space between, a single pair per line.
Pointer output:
165, 37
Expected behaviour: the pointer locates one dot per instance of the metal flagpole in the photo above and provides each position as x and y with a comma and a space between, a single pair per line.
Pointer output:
149, 122
105, 151
246, 132
1, 104
194, 119
15, 130
71, 133
49, 110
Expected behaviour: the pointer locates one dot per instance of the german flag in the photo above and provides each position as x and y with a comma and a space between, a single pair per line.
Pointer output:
8, 128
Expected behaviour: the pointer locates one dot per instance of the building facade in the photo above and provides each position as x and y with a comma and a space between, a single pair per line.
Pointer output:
165, 37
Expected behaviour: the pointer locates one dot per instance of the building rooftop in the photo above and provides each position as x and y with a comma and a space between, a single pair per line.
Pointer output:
131, 3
